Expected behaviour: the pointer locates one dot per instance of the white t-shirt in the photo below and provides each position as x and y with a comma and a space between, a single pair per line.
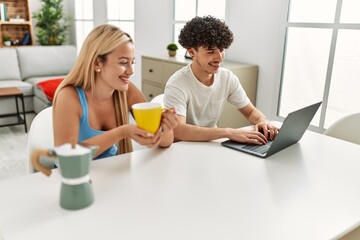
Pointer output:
202, 105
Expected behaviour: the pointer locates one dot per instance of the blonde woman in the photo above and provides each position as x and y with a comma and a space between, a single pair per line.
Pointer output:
92, 103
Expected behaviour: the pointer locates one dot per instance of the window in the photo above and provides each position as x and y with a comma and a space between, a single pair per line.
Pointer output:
322, 59
84, 20
121, 13
117, 12
187, 9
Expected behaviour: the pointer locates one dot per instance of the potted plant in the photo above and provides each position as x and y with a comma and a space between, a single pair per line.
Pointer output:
172, 47
51, 25
6, 40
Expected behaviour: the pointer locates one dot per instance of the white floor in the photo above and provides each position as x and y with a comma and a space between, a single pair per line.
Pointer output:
13, 144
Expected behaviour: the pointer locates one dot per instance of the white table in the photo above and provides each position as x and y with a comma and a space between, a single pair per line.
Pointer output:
310, 190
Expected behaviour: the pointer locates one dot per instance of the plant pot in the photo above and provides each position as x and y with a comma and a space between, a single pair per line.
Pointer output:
53, 40
172, 53
7, 43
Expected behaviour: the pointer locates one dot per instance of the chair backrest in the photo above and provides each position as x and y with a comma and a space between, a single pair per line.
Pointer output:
40, 136
159, 99
346, 128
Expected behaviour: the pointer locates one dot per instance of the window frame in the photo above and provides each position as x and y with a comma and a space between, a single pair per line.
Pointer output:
175, 22
99, 16
335, 26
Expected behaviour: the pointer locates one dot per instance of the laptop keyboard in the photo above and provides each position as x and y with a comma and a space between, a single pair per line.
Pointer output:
258, 148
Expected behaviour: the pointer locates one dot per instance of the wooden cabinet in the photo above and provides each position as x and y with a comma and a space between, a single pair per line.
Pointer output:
155, 73
17, 24
156, 70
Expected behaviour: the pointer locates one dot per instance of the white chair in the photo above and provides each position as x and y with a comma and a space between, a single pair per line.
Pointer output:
346, 128
40, 136
159, 99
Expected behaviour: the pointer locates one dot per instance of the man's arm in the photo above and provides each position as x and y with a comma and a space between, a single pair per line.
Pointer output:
260, 121
253, 114
187, 132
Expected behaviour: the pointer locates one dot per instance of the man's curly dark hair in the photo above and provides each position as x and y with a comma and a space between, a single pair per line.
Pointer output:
207, 31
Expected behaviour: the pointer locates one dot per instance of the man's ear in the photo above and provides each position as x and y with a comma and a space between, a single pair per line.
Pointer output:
191, 52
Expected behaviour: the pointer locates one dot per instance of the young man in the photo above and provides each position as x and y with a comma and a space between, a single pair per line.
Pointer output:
199, 91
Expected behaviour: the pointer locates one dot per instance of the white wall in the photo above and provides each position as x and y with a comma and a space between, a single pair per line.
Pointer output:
258, 30
153, 30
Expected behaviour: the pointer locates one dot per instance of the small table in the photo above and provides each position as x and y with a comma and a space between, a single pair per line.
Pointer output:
16, 93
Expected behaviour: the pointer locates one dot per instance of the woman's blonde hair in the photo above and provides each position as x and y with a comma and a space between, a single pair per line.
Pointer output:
98, 44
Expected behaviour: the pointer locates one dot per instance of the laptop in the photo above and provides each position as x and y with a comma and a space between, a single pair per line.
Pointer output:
292, 129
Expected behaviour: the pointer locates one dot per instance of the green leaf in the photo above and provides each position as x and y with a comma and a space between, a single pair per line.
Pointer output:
51, 23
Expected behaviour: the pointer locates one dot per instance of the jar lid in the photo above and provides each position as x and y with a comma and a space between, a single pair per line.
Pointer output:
68, 150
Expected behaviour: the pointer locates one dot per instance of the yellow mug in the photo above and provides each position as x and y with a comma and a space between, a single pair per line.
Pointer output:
148, 115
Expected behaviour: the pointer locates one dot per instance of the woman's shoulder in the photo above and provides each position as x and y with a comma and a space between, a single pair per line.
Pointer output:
68, 90
68, 100
68, 93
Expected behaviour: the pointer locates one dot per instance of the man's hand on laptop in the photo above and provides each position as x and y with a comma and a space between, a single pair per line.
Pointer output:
267, 129
247, 136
